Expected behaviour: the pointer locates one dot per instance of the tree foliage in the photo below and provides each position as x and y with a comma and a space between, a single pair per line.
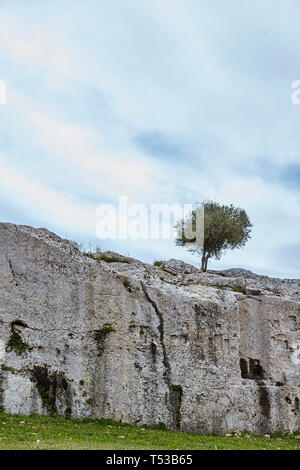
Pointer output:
225, 227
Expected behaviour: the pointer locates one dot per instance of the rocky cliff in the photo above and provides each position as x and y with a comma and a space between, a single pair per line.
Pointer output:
209, 352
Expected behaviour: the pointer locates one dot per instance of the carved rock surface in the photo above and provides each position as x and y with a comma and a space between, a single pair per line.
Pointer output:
209, 352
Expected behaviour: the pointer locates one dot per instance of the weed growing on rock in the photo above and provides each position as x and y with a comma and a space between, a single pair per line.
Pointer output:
240, 289
107, 257
15, 342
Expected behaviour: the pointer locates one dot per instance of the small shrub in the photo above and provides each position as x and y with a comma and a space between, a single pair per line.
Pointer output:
88, 254
177, 388
127, 283
159, 264
108, 327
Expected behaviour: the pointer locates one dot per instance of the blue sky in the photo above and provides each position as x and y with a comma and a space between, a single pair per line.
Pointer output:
171, 101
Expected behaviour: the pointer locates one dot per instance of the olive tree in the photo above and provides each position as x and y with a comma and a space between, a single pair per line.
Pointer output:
225, 227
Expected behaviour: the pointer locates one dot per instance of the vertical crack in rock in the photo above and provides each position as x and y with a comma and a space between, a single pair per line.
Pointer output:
12, 272
1, 388
255, 372
167, 372
264, 400
176, 399
175, 392
264, 404
244, 368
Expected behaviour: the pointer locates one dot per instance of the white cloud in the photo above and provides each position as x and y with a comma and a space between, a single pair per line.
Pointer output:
52, 206
82, 148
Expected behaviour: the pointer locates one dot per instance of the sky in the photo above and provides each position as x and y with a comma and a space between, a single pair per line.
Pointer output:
173, 101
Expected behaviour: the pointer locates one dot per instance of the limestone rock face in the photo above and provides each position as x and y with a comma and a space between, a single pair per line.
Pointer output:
209, 352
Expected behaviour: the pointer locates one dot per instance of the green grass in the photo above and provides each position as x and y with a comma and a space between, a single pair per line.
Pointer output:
15, 342
240, 289
107, 257
159, 264
19, 432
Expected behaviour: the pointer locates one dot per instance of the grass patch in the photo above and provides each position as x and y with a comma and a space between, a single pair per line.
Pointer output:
221, 286
43, 432
159, 264
240, 289
107, 257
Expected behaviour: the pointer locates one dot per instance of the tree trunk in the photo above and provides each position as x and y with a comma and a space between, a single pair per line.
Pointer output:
204, 261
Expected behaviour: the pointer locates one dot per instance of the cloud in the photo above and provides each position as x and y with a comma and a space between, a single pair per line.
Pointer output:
52, 206
82, 148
